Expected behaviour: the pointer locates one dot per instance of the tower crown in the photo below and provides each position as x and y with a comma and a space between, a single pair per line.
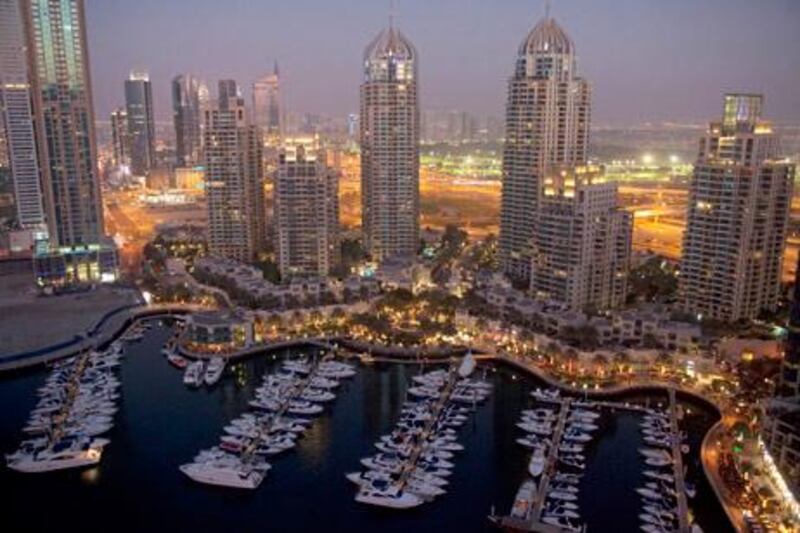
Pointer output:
390, 57
547, 37
546, 52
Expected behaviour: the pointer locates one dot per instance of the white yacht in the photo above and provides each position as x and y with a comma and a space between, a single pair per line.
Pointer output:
226, 475
194, 374
523, 502
214, 371
390, 497
536, 464
73, 454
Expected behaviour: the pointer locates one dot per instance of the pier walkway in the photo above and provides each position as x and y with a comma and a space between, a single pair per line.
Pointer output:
680, 482
550, 466
409, 466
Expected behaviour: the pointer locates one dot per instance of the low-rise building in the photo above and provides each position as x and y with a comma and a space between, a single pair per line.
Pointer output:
218, 331
646, 326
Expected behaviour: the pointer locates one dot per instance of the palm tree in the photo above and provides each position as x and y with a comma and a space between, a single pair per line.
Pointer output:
621, 359
664, 359
600, 361
551, 350
571, 356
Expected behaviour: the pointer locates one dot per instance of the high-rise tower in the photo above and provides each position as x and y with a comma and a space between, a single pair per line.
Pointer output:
390, 146
267, 104
306, 194
16, 115
141, 125
186, 118
737, 216
64, 120
234, 178
120, 141
547, 124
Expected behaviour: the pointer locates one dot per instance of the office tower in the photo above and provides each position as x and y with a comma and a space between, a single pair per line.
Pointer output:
582, 244
76, 249
267, 104
390, 147
16, 118
306, 193
352, 125
234, 178
120, 141
547, 124
229, 94
737, 216
186, 118
141, 125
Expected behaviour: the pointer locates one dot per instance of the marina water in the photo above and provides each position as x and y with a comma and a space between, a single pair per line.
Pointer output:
162, 424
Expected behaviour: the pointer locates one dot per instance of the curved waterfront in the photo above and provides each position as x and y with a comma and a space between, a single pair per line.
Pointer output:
162, 424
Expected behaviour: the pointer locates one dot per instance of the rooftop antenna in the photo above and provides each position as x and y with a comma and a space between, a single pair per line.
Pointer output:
392, 13
546, 9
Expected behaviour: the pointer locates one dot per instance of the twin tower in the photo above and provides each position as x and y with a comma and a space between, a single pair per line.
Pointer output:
561, 233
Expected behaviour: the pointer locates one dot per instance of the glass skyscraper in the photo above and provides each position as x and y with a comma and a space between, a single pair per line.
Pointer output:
141, 127
186, 117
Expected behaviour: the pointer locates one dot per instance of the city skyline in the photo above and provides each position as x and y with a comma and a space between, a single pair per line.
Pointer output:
466, 52
545, 328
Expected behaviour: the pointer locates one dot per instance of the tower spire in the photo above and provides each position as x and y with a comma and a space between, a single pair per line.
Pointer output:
392, 13
546, 9
275, 68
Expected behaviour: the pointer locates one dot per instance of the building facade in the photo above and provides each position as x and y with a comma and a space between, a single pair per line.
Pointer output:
16, 116
141, 125
389, 131
64, 120
267, 104
186, 119
233, 178
581, 248
737, 216
120, 140
306, 207
547, 123
76, 250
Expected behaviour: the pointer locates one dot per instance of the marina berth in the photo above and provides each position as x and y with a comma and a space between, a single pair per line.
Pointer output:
76, 405
415, 459
283, 408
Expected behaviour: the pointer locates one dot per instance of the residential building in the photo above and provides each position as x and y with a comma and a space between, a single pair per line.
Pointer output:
389, 131
547, 124
737, 216
306, 210
234, 178
581, 247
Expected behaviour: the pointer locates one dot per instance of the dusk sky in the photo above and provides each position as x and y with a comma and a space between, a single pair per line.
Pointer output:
646, 59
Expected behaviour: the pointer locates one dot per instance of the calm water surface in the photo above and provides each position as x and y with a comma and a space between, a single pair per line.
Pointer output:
162, 424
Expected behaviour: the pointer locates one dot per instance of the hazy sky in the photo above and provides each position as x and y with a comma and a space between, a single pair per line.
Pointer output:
646, 59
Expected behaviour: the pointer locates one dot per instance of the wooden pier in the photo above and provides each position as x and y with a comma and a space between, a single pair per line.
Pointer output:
408, 467
550, 467
677, 458
533, 521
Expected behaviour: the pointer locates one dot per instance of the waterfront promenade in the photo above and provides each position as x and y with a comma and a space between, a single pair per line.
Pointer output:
101, 332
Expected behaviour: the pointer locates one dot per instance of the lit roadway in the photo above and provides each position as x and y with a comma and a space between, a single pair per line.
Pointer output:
135, 224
